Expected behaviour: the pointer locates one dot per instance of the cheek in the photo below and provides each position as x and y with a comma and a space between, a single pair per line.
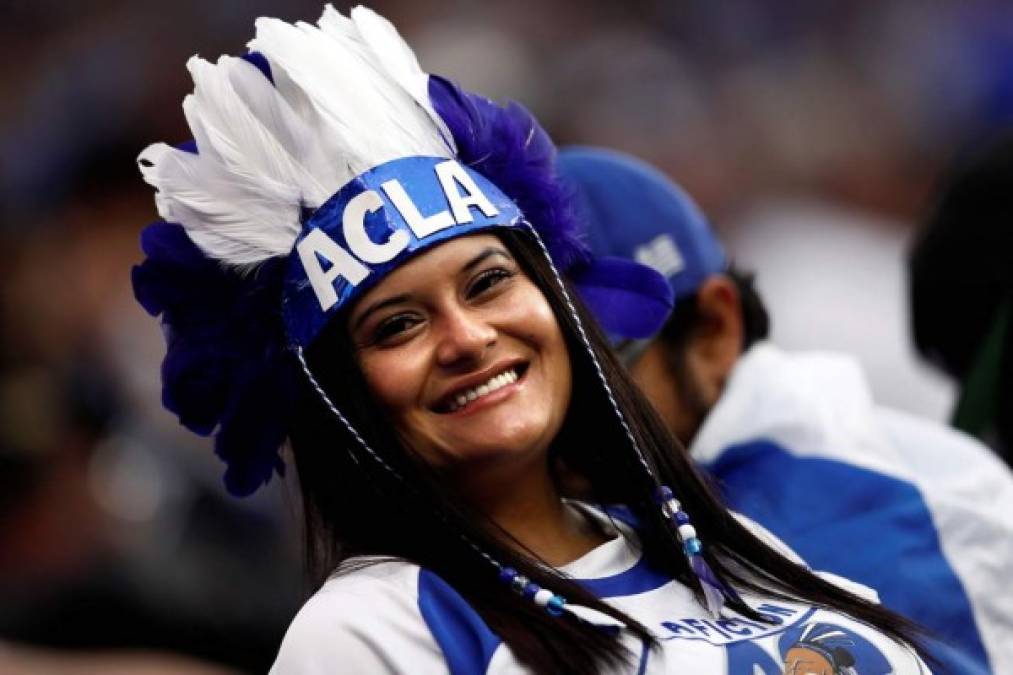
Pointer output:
532, 313
545, 332
395, 378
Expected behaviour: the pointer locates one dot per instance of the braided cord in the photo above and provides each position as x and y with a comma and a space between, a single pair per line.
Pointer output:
373, 454
594, 359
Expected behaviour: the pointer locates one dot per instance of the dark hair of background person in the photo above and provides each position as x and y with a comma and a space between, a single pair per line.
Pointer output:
684, 320
961, 273
355, 507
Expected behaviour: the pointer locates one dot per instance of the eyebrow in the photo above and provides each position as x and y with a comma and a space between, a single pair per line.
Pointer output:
486, 253
376, 306
398, 299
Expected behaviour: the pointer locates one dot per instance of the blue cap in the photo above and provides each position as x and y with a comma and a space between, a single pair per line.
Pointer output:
631, 210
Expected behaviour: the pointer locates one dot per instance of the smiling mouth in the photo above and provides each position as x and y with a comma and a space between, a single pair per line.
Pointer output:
462, 398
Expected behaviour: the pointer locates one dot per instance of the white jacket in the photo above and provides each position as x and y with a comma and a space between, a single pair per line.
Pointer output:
918, 511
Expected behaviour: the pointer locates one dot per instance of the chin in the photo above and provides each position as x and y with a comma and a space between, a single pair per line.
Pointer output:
507, 441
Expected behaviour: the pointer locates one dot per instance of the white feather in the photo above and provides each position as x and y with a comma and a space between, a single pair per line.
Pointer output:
396, 57
374, 118
227, 220
268, 138
295, 133
240, 198
347, 96
241, 142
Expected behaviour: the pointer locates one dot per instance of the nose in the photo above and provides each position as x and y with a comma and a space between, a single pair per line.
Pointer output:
465, 336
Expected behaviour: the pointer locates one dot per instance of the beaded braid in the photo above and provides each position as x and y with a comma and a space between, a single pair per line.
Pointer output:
715, 591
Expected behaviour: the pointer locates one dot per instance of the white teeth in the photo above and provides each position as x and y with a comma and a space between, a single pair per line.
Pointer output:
494, 383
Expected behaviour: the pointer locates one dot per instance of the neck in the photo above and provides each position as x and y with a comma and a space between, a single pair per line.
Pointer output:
527, 506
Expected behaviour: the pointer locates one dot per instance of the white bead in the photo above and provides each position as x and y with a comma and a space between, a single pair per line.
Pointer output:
671, 507
543, 596
687, 532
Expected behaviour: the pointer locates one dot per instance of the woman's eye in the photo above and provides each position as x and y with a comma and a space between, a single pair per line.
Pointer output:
394, 327
487, 280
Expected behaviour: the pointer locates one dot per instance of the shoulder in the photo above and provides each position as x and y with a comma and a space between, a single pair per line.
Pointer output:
941, 454
362, 620
968, 489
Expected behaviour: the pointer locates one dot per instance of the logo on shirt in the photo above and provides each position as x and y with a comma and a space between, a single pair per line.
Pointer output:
816, 648
727, 631
792, 643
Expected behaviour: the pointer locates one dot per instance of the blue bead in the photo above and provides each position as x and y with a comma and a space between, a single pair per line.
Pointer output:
507, 574
663, 494
531, 589
693, 546
681, 517
555, 605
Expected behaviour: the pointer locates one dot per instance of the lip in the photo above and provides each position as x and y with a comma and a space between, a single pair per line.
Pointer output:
476, 379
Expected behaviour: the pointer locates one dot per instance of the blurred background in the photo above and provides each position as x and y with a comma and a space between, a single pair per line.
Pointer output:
812, 133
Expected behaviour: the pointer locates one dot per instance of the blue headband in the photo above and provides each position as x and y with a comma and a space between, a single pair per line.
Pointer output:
376, 222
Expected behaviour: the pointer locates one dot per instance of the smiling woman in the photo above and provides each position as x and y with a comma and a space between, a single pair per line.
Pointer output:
462, 350
383, 270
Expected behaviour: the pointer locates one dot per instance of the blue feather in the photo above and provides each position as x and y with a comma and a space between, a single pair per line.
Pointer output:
226, 371
508, 146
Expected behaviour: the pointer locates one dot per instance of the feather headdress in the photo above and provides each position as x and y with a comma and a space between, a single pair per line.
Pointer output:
284, 137
342, 98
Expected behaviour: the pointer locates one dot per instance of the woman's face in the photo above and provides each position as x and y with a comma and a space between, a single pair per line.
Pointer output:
464, 352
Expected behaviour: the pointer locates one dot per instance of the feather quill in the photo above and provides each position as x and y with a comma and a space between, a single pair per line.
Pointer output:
396, 57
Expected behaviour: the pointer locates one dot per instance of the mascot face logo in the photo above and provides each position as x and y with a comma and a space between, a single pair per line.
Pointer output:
826, 649
806, 648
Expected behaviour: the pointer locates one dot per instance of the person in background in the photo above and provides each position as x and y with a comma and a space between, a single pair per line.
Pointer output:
794, 441
961, 270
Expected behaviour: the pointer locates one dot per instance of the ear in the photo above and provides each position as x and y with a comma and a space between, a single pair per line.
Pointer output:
716, 342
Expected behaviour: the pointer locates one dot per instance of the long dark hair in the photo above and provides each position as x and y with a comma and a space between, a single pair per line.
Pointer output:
355, 506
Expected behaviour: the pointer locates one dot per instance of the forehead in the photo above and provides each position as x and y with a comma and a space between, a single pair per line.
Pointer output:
444, 262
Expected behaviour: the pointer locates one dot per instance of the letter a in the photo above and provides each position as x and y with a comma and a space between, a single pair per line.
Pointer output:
452, 174
342, 264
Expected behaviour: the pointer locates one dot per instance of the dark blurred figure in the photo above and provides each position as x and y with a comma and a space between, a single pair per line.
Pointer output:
63, 587
962, 290
114, 555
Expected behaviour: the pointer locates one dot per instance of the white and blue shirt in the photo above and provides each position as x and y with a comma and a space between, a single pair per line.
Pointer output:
920, 512
393, 617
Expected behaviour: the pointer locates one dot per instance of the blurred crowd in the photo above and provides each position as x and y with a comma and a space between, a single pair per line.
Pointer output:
813, 133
